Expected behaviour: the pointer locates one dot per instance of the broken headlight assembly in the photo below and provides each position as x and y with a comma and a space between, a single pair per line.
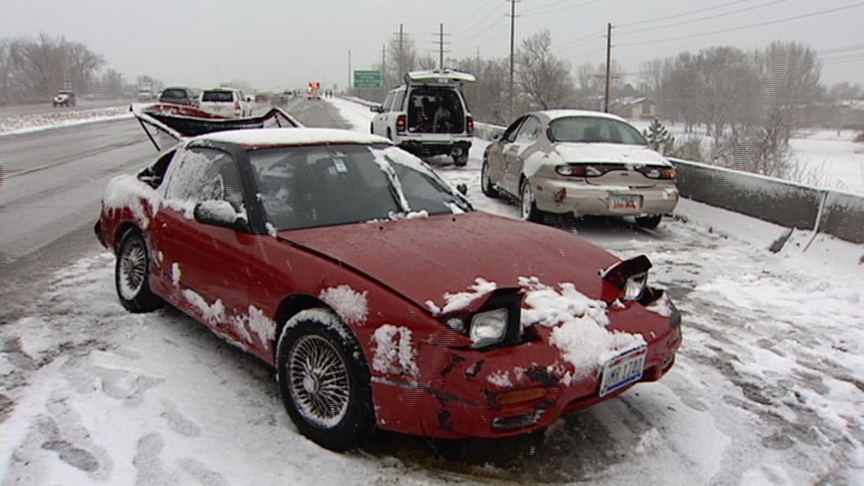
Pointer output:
488, 328
629, 276
495, 324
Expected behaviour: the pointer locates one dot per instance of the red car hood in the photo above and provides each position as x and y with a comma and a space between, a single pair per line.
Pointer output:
423, 259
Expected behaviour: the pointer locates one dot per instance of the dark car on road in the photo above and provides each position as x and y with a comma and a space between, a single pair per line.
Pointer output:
179, 95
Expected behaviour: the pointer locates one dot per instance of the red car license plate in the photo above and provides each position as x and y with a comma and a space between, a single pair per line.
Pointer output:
623, 370
625, 201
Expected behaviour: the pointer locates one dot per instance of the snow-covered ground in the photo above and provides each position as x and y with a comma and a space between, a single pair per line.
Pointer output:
828, 159
768, 388
10, 125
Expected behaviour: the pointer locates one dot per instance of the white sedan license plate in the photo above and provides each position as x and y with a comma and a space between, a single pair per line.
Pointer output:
625, 201
623, 370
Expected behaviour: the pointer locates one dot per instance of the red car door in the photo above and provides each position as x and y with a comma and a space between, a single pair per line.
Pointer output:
207, 265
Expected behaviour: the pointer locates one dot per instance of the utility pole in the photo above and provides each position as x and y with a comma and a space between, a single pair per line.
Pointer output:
512, 49
608, 67
401, 52
441, 47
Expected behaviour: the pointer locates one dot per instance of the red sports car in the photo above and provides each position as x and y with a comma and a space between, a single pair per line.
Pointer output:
381, 298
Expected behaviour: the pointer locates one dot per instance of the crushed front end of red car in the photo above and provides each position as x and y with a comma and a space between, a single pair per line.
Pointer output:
512, 351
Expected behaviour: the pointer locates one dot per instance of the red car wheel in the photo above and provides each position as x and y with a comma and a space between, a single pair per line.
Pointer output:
132, 275
324, 380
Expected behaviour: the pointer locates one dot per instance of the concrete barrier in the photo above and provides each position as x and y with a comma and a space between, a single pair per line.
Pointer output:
837, 213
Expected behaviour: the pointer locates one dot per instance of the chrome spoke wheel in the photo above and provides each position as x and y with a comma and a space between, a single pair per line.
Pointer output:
319, 381
133, 268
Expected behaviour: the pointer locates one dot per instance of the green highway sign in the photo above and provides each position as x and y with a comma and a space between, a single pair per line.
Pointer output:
368, 79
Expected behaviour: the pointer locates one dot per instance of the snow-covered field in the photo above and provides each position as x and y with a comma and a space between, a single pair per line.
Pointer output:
10, 125
768, 388
828, 159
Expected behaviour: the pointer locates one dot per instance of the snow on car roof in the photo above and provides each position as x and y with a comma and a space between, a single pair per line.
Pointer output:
292, 136
554, 114
439, 76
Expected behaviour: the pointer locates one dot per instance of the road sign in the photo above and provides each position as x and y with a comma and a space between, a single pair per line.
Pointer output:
368, 79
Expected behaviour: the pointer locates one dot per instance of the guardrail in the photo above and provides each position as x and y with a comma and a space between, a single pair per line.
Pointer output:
837, 213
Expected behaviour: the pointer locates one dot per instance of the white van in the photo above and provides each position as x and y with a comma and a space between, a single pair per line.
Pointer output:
427, 115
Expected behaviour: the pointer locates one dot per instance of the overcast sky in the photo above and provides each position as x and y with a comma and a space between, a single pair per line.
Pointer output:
277, 44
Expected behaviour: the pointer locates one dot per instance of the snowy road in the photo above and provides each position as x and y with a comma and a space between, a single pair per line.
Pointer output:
768, 388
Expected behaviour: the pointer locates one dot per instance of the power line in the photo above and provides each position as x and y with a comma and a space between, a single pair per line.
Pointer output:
683, 14
541, 7
578, 43
844, 61
700, 19
470, 17
586, 54
495, 20
539, 11
837, 50
750, 26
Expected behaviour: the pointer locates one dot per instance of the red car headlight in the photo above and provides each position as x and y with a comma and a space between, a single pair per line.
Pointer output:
488, 328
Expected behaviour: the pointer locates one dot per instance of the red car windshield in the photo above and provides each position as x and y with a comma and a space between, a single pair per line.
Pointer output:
307, 187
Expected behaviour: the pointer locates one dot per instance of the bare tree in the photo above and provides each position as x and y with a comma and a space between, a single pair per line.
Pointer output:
487, 97
401, 58
788, 93
591, 84
845, 91
543, 78
728, 81
651, 77
680, 90
34, 69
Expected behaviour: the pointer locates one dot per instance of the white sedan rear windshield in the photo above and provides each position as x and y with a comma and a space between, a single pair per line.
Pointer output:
218, 96
584, 129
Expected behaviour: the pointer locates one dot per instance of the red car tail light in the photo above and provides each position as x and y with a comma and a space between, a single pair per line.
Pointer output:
401, 123
469, 125
236, 105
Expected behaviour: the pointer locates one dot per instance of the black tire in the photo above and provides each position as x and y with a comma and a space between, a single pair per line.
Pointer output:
485, 182
460, 160
649, 222
132, 275
325, 381
527, 204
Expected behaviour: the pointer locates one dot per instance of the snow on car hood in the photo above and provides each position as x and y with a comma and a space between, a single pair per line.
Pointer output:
609, 153
425, 259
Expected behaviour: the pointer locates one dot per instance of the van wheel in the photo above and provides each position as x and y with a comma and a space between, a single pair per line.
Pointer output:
460, 160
